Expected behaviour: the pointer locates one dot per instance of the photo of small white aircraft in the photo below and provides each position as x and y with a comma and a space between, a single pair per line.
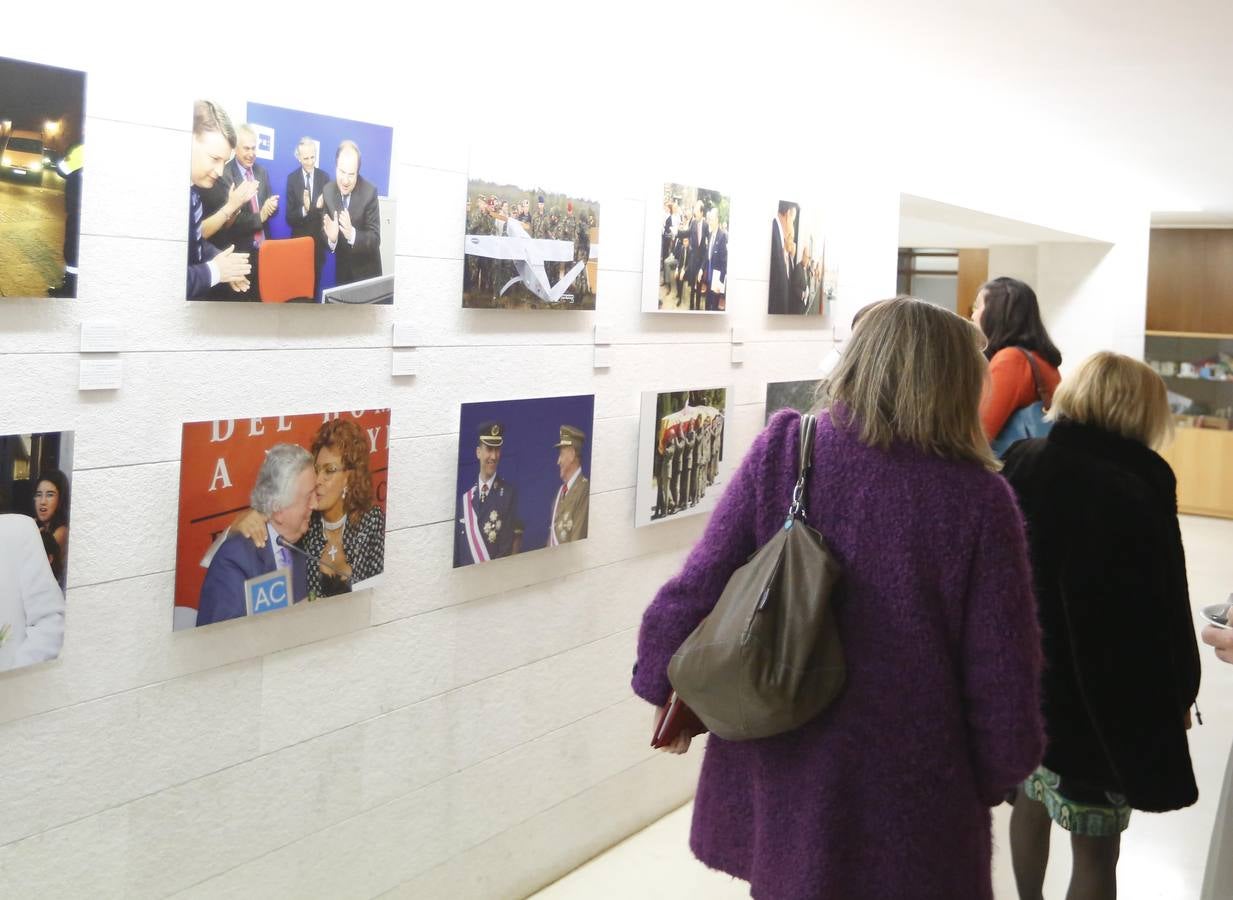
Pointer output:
528, 255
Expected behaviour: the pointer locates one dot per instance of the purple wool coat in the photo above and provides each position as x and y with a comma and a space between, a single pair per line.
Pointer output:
888, 793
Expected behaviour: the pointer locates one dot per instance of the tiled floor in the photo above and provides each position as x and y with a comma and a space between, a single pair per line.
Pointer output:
1162, 855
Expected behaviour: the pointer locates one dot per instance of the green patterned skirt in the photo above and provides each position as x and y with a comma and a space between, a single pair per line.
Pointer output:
1078, 808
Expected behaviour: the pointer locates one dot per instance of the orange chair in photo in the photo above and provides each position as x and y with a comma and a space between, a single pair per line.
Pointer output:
285, 269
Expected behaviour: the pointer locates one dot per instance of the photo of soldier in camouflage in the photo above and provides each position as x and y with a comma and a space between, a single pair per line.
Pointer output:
691, 274
542, 238
685, 456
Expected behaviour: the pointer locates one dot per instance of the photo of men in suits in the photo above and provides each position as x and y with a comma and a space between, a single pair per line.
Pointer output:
214, 140
571, 508
352, 219
246, 225
689, 271
287, 229
285, 493
305, 203
798, 280
487, 525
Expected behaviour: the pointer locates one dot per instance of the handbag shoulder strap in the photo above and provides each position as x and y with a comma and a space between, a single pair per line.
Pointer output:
1036, 379
809, 428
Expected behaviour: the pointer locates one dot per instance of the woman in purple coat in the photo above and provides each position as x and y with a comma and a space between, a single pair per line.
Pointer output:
888, 792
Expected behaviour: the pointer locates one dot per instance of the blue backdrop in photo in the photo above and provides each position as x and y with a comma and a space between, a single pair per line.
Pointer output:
528, 457
376, 143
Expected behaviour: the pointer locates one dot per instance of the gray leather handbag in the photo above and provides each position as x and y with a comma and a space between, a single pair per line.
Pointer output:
768, 657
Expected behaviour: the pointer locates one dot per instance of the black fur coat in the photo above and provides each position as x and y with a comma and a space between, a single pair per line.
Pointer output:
1121, 661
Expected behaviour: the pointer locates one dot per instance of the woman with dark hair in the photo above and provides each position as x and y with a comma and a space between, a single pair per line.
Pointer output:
1023, 361
51, 507
346, 533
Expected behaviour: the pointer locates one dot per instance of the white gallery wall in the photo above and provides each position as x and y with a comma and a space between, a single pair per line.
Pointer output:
454, 733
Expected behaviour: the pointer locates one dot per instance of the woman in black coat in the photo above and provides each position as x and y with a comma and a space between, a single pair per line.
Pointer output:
1121, 660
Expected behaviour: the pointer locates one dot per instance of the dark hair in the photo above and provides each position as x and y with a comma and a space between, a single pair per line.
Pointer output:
208, 116
1012, 319
61, 515
786, 207
346, 438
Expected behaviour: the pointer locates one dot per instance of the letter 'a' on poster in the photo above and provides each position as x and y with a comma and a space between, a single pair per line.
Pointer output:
42, 125
685, 259
803, 275
36, 474
682, 459
524, 476
532, 232
288, 206
310, 488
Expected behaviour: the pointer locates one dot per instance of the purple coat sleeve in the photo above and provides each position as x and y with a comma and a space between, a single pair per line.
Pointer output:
727, 543
1002, 652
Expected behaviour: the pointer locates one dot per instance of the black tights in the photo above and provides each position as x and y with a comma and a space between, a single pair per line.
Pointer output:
1094, 874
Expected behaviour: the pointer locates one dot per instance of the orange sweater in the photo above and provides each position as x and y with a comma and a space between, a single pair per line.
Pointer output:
1011, 387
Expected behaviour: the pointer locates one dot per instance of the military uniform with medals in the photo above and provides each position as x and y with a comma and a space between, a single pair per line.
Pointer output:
486, 523
572, 506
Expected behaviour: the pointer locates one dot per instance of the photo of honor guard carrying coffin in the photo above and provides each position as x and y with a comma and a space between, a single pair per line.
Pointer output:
289, 206
278, 510
680, 453
523, 481
35, 475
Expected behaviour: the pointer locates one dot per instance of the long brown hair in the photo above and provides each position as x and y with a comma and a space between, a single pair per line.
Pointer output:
346, 438
913, 372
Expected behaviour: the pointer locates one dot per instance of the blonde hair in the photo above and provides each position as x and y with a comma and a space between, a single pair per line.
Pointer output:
1118, 394
913, 372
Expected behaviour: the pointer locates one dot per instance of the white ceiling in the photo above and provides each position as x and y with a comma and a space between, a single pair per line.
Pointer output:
1138, 91
928, 223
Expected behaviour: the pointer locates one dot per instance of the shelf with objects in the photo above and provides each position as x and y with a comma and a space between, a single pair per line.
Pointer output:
1198, 372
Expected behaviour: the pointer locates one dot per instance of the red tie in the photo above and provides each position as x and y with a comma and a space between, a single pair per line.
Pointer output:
258, 235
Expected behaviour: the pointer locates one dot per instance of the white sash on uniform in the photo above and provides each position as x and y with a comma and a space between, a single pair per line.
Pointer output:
475, 538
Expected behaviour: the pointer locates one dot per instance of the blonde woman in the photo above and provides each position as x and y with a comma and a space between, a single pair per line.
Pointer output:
1121, 661
888, 792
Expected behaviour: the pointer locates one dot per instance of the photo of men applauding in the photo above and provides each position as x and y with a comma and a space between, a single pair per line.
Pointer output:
320, 239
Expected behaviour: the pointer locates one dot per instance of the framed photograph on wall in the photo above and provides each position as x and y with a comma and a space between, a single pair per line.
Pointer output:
36, 473
682, 463
301, 495
798, 395
42, 133
532, 242
800, 282
289, 206
685, 260
523, 481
